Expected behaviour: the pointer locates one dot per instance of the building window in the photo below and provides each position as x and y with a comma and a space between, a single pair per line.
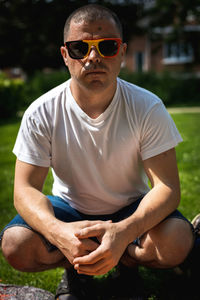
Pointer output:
178, 53
139, 61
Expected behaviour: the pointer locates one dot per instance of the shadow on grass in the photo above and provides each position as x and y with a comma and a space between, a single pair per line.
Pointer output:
167, 285
152, 285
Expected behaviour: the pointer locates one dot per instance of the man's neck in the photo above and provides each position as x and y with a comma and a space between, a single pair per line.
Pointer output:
93, 102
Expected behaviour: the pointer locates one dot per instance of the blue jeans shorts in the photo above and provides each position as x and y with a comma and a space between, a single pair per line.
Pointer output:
64, 212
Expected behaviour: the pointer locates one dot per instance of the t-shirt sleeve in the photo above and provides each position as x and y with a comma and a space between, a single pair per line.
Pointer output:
33, 143
159, 132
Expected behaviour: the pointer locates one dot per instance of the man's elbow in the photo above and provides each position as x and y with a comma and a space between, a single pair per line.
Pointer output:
176, 195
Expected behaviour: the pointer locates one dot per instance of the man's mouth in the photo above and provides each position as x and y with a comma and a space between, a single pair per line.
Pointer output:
96, 72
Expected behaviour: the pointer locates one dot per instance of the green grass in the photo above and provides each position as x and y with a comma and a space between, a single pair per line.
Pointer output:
158, 283
188, 157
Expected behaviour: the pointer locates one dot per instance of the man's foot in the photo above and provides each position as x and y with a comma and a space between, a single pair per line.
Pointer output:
190, 266
189, 269
126, 282
196, 224
72, 286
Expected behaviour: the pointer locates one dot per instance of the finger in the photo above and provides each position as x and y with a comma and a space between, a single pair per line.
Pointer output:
90, 268
100, 268
90, 258
89, 244
89, 226
89, 232
95, 230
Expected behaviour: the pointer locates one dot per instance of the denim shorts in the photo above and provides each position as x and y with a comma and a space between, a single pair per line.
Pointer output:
64, 212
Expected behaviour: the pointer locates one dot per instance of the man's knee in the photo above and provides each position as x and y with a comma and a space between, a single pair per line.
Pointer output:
14, 247
173, 239
25, 251
164, 246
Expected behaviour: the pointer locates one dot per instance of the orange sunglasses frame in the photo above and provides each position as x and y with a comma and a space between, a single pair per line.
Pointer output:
95, 43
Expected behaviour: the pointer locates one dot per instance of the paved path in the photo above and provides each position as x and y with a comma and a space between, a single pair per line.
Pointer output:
178, 110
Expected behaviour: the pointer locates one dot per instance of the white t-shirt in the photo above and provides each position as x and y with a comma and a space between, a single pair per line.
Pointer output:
96, 163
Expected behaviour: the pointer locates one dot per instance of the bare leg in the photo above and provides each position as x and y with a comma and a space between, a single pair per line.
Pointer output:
164, 246
25, 251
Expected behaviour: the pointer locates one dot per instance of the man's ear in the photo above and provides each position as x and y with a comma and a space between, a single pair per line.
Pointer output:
124, 45
63, 51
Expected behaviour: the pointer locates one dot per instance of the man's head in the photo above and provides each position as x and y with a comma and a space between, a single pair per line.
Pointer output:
93, 48
92, 13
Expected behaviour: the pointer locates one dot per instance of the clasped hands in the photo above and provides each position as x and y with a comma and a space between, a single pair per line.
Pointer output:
94, 247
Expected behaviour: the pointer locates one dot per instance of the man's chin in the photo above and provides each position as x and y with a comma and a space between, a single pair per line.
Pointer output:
97, 84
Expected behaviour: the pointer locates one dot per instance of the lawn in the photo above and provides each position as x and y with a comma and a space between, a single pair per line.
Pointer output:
160, 284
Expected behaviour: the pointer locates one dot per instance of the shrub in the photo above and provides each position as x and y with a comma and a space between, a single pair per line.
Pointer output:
11, 96
42, 82
173, 89
16, 94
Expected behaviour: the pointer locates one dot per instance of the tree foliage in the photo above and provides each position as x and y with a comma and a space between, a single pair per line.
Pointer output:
176, 13
31, 31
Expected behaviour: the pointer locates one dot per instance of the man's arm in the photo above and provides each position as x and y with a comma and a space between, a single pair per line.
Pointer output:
29, 200
164, 197
36, 209
161, 200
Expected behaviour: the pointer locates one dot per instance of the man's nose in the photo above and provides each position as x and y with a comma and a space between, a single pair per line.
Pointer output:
94, 54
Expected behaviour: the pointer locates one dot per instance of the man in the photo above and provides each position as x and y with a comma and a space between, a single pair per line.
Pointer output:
103, 138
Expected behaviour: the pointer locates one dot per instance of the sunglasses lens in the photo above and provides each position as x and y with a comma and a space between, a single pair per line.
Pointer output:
108, 48
77, 49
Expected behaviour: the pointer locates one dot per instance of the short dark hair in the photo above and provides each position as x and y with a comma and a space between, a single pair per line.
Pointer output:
91, 13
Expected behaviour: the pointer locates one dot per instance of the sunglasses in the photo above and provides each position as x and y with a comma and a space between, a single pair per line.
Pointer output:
106, 47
